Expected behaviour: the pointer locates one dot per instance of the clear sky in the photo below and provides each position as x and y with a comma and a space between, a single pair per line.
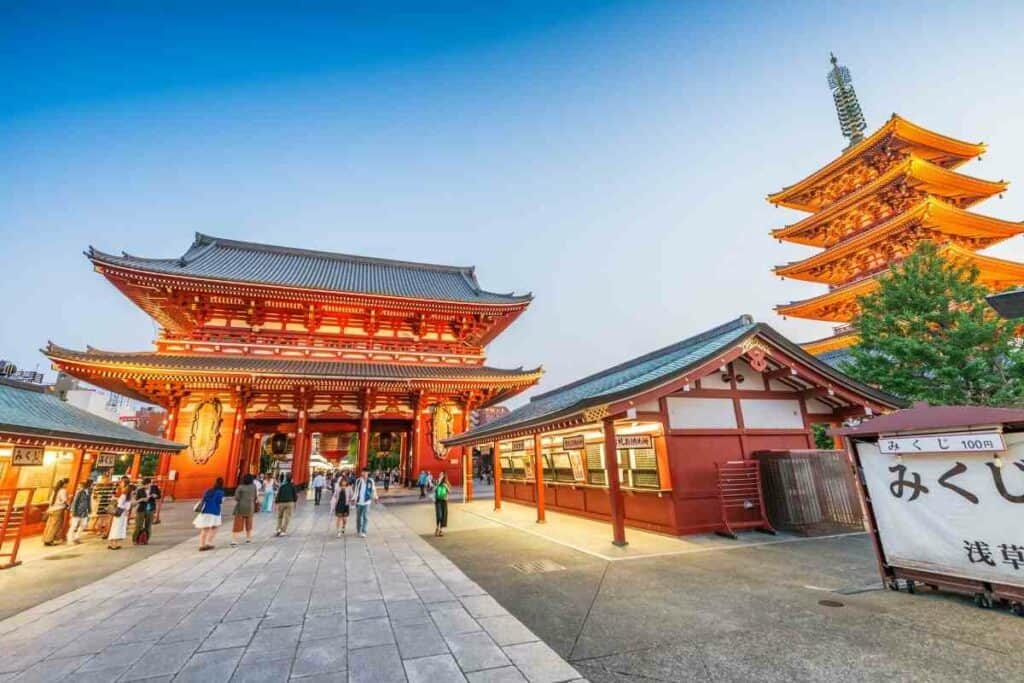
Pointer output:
612, 158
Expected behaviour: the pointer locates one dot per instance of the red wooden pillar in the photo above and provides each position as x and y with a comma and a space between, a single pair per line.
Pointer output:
235, 447
364, 432
538, 477
467, 472
417, 421
300, 451
611, 465
496, 457
133, 471
170, 427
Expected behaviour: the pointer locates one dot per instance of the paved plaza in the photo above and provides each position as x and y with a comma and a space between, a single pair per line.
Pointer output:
704, 608
306, 606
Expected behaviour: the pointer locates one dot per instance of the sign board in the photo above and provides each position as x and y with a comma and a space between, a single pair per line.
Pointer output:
27, 456
579, 472
573, 443
624, 441
965, 442
954, 513
105, 460
511, 446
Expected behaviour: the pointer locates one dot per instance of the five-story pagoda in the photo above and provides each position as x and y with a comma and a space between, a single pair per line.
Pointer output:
258, 340
872, 206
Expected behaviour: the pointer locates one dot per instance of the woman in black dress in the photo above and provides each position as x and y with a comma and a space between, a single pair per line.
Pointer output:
339, 503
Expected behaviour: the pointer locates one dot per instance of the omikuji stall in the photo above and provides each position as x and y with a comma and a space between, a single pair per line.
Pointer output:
641, 443
944, 492
44, 440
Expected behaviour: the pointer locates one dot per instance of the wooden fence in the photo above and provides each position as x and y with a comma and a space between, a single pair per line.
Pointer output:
810, 492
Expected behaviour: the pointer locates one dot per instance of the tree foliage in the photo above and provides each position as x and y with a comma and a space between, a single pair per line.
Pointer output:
928, 334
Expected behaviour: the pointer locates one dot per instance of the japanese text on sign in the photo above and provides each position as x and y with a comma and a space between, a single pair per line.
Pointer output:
971, 442
957, 514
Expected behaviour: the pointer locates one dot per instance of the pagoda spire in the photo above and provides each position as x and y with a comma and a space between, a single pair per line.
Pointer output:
851, 118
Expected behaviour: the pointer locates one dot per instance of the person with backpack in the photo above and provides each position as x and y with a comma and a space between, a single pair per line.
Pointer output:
81, 508
340, 504
441, 504
286, 498
209, 520
422, 483
145, 498
364, 493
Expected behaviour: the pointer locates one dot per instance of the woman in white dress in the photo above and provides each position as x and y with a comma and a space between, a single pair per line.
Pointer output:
208, 520
119, 523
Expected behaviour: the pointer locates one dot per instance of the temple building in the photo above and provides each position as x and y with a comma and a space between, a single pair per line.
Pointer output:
639, 444
870, 207
262, 348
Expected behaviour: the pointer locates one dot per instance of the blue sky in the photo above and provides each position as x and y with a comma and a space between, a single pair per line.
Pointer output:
612, 158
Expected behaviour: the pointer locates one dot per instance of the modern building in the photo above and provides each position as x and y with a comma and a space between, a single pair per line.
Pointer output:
871, 206
639, 444
257, 340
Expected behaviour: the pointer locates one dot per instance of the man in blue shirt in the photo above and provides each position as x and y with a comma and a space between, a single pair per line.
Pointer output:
364, 493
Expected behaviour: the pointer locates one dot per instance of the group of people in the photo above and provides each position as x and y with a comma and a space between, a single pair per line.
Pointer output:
264, 492
126, 498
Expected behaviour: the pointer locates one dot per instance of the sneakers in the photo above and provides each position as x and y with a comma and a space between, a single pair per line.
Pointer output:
338, 535
234, 543
277, 533
362, 535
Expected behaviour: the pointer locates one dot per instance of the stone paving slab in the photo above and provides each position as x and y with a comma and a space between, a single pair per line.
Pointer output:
308, 606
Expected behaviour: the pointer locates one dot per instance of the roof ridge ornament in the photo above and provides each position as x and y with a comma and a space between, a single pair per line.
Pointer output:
851, 118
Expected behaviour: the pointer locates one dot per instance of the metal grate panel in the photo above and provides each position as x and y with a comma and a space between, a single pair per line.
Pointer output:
537, 567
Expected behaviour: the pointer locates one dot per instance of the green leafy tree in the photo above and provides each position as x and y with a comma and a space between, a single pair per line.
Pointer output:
928, 334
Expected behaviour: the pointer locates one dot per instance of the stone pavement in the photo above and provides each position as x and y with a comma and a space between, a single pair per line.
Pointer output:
306, 606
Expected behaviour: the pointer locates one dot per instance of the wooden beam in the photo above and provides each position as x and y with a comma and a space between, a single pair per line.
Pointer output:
611, 465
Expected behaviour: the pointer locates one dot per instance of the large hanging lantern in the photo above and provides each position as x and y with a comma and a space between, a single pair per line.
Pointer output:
384, 442
279, 444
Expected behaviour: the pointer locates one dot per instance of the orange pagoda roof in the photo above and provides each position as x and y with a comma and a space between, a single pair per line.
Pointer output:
889, 240
898, 135
840, 304
853, 212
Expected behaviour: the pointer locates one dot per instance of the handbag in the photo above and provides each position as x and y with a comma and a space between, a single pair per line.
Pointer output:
118, 511
198, 507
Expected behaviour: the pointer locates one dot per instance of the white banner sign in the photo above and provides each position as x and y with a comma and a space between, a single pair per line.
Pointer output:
970, 442
958, 514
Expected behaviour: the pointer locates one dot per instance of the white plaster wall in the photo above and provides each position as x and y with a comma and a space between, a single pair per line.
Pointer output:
700, 413
752, 380
771, 413
816, 407
714, 381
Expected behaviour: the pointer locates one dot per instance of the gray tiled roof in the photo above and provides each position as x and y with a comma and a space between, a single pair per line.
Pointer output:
249, 262
29, 411
637, 375
286, 367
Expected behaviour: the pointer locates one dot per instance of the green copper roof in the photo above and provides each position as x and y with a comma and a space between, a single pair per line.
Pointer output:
34, 411
221, 259
648, 371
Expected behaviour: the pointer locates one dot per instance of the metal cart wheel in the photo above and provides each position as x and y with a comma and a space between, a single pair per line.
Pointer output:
983, 601
1017, 608
911, 588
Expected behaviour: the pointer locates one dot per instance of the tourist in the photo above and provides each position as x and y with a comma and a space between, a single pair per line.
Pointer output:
208, 520
441, 504
340, 504
269, 491
318, 487
258, 483
146, 497
56, 513
81, 508
285, 499
364, 493
422, 483
245, 507
119, 507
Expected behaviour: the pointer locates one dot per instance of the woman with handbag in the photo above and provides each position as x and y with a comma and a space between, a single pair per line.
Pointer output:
246, 505
208, 520
119, 520
55, 514
340, 504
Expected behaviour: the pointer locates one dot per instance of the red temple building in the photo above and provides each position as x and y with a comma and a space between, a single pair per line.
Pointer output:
262, 347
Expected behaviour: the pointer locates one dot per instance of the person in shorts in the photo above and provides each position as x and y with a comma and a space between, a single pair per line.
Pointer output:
340, 504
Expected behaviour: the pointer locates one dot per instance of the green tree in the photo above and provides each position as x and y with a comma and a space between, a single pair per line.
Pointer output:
928, 334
